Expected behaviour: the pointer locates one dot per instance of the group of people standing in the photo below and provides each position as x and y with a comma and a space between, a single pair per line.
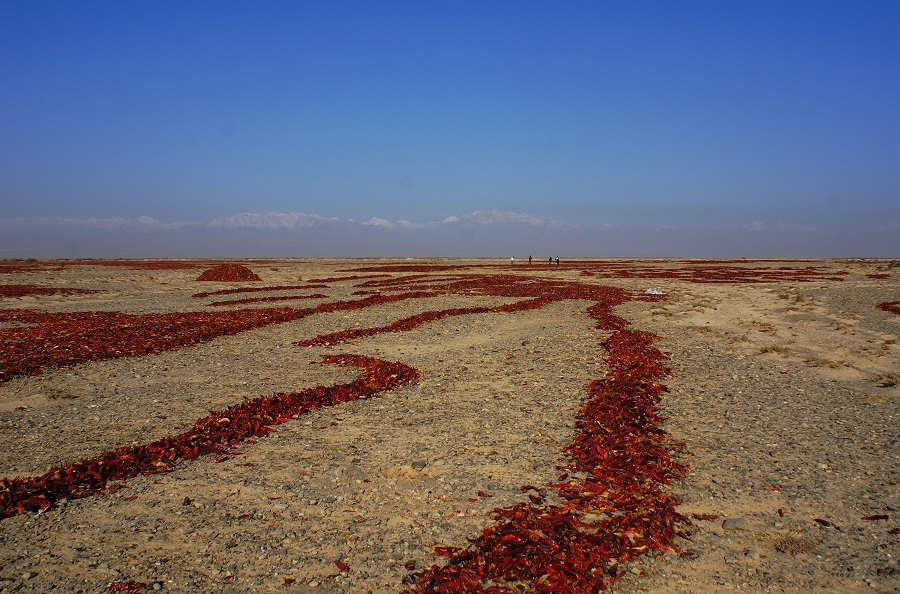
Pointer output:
512, 260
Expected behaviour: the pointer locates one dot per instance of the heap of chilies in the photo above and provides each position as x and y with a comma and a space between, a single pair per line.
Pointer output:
229, 273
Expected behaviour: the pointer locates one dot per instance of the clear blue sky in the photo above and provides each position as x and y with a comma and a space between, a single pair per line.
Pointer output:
680, 114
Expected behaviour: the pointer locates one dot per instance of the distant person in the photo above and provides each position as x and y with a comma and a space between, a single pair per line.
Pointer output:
512, 260
529, 259
550, 260
557, 260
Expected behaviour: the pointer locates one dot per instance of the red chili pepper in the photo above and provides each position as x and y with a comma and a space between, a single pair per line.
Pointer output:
126, 586
705, 517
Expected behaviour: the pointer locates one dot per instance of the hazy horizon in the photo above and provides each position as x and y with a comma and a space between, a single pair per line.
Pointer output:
490, 233
704, 129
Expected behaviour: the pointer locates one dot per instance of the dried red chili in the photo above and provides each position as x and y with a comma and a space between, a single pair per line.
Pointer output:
129, 586
890, 306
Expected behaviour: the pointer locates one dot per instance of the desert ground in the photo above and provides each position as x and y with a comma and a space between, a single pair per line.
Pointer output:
780, 407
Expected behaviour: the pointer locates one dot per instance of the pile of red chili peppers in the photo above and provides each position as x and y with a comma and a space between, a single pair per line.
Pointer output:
229, 273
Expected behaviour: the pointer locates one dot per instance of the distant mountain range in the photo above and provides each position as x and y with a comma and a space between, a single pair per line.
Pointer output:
483, 233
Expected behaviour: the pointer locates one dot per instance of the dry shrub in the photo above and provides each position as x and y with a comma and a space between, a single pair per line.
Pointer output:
792, 295
57, 393
764, 327
794, 544
820, 362
887, 380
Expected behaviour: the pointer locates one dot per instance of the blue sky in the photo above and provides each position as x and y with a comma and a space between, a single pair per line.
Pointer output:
778, 116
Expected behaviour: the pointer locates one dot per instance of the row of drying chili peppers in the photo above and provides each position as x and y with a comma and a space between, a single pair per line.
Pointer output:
250, 300
417, 320
257, 290
24, 290
615, 509
215, 434
692, 271
48, 339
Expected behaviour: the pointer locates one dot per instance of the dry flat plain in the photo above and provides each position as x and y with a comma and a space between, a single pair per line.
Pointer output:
474, 433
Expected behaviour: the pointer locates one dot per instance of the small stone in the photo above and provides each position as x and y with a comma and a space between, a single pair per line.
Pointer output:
734, 524
157, 586
419, 464
28, 575
186, 501
752, 554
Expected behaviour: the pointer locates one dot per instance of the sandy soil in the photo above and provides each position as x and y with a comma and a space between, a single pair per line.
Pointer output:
784, 393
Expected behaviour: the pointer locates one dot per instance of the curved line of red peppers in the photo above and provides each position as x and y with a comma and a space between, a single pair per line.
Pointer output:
613, 511
266, 299
64, 339
215, 434
24, 290
257, 290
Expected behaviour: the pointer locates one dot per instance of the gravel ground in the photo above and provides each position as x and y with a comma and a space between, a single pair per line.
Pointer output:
784, 394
